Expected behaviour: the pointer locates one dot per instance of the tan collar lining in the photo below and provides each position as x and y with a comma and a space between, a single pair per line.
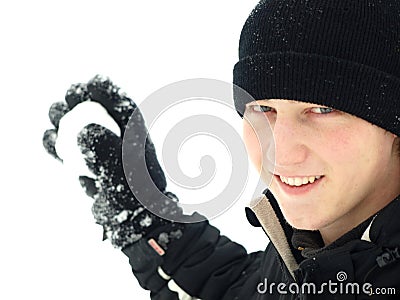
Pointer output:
269, 221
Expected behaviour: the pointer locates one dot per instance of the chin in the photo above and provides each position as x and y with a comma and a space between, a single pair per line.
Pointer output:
306, 217
305, 223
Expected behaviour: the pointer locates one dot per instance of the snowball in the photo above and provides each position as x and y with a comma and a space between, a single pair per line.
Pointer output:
71, 124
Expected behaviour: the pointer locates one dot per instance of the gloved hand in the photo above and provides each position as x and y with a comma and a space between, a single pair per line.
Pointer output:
124, 219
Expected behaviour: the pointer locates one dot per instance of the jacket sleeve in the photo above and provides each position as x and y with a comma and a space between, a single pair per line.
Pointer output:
202, 264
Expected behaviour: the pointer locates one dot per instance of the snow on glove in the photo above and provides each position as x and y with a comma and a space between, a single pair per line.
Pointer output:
122, 216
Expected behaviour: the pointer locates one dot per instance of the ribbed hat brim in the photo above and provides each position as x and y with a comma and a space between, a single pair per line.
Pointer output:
323, 80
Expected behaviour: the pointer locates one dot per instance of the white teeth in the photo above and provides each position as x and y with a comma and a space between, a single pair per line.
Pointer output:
298, 181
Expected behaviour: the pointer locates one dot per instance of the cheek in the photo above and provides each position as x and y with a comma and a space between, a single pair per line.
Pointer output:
354, 155
252, 145
342, 148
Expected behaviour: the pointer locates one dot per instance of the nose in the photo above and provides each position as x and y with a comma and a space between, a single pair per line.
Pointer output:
289, 149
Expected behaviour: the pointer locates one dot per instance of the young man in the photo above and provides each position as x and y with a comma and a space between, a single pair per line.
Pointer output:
324, 132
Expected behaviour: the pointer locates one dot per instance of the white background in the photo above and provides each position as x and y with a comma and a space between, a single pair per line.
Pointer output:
50, 246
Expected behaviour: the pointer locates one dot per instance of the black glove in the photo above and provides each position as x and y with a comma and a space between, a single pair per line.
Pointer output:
124, 219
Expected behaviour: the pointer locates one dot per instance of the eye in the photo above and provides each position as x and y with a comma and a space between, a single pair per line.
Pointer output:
260, 108
322, 110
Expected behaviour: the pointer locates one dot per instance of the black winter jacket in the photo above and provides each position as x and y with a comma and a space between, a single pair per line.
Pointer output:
363, 264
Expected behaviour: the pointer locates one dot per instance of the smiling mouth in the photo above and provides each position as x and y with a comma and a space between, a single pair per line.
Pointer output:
299, 181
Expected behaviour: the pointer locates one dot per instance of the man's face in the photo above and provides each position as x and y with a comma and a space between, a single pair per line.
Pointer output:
337, 169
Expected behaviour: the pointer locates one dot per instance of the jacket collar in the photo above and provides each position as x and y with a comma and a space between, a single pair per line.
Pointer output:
382, 229
264, 212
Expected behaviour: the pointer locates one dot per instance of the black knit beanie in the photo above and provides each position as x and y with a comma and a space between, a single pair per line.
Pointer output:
343, 54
